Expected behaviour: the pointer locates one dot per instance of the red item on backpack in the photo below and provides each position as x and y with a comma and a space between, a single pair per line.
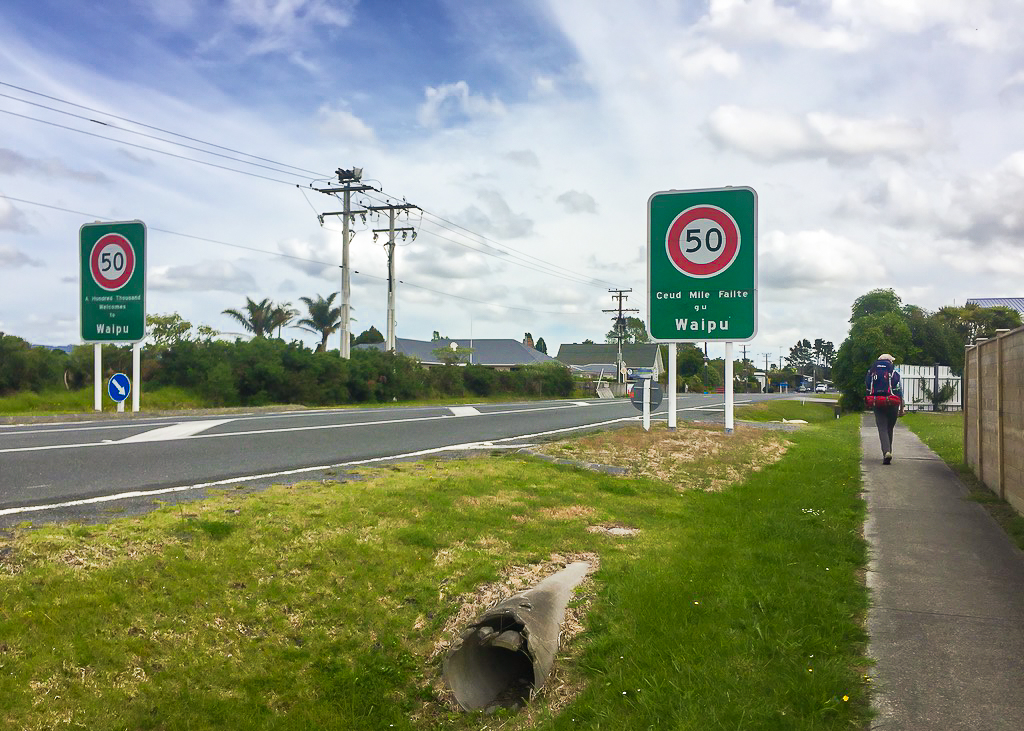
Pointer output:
879, 388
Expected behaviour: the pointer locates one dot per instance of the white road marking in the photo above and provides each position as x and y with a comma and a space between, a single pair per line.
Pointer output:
463, 411
580, 403
316, 427
178, 431
285, 473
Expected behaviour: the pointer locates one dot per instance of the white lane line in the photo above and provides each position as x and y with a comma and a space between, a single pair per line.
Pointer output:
317, 427
95, 427
580, 403
178, 431
463, 411
285, 473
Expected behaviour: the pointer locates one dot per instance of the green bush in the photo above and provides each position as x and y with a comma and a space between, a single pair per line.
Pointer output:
480, 380
27, 368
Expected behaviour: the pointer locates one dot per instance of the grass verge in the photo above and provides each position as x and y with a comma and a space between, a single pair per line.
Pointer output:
320, 605
944, 435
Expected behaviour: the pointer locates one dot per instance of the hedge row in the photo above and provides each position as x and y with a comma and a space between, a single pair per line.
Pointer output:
264, 371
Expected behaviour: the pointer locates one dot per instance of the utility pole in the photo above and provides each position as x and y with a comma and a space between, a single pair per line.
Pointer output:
746, 379
391, 230
349, 181
620, 327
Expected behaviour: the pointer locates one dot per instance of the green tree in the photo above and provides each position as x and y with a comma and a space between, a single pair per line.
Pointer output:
632, 329
370, 335
875, 302
450, 355
541, 346
324, 320
801, 356
257, 317
437, 336
165, 330
282, 314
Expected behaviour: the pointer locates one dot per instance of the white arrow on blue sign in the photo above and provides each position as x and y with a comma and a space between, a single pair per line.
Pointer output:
118, 387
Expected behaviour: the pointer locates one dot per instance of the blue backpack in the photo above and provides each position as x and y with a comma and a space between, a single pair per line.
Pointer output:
879, 386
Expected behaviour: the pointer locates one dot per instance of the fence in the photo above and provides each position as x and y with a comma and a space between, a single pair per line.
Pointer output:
919, 383
994, 414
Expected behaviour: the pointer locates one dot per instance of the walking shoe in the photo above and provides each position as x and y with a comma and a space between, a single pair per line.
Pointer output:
888, 458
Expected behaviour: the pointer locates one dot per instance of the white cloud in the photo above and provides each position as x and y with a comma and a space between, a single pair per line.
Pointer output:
450, 105
205, 276
573, 201
818, 261
280, 24
706, 61
496, 218
14, 163
11, 258
12, 219
766, 21
776, 136
341, 123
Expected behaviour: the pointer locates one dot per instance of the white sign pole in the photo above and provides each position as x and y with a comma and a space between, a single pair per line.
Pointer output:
97, 376
672, 386
136, 379
728, 388
647, 403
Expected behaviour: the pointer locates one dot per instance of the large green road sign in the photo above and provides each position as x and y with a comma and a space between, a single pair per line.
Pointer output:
113, 281
702, 265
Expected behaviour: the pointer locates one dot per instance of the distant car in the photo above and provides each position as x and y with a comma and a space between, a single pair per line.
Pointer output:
802, 389
820, 388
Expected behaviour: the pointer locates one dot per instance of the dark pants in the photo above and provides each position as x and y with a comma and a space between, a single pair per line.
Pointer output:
885, 420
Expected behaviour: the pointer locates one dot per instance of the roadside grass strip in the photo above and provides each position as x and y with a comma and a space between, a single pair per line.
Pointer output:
944, 435
328, 604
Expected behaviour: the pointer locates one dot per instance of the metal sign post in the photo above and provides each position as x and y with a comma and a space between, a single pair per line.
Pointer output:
702, 270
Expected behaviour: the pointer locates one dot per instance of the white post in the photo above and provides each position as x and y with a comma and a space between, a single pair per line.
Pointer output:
728, 389
97, 376
672, 386
136, 377
647, 403
391, 283
346, 287
120, 407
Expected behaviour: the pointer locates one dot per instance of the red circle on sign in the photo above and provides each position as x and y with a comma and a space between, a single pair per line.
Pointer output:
108, 271
730, 248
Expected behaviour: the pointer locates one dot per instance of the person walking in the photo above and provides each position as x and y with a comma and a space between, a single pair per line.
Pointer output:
884, 395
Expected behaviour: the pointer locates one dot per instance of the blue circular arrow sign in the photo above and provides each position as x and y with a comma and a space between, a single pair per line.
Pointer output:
119, 387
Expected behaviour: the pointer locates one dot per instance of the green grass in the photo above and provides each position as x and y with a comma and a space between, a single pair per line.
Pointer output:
811, 411
317, 606
944, 435
81, 401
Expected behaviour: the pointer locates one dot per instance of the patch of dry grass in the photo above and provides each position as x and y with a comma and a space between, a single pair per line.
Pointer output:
693, 457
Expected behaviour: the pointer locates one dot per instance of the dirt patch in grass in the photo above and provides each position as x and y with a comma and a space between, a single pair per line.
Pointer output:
693, 457
558, 691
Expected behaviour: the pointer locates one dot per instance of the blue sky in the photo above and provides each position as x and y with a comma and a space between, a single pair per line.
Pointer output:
882, 136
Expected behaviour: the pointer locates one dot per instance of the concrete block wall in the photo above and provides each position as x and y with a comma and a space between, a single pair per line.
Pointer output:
994, 414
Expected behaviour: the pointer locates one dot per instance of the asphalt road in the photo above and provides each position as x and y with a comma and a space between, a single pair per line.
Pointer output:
85, 469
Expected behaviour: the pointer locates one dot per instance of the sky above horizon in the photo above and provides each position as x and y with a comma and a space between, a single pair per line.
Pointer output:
882, 138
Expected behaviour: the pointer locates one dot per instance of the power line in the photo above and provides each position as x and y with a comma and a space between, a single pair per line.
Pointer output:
504, 251
297, 258
149, 126
143, 147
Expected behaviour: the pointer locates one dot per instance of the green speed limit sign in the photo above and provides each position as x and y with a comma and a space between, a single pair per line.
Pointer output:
113, 281
702, 265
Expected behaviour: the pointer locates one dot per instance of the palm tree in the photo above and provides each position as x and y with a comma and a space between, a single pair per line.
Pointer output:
257, 317
323, 319
281, 315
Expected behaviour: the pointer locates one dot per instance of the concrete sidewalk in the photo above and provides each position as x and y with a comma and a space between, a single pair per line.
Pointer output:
947, 616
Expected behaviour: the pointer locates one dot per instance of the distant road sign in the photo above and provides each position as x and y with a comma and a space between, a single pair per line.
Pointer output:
113, 282
119, 387
702, 265
638, 394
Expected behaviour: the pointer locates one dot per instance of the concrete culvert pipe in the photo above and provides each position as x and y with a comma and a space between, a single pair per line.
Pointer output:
507, 654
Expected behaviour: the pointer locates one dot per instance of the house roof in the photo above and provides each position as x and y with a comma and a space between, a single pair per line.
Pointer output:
486, 351
1014, 303
643, 355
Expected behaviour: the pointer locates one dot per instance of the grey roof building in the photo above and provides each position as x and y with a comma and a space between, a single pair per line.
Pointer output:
494, 352
1014, 303
597, 357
